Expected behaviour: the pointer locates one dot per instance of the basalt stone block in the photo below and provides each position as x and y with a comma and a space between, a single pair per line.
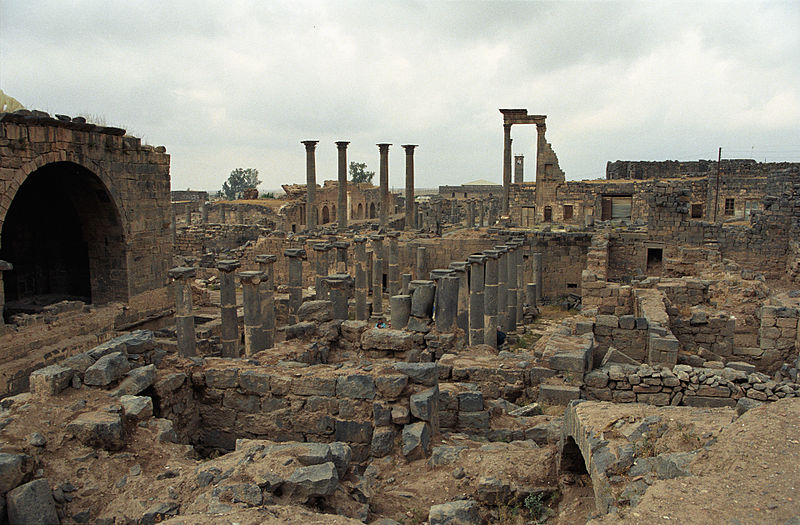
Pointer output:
558, 394
50, 380
382, 442
353, 431
422, 373
356, 386
476, 421
391, 386
423, 404
462, 512
79, 362
341, 455
314, 386
314, 454
32, 504
300, 330
313, 480
470, 401
222, 377
14, 469
387, 339
254, 381
317, 311
400, 415
137, 407
107, 369
416, 441
98, 429
136, 381
138, 341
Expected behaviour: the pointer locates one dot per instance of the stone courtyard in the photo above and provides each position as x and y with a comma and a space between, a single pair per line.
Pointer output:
605, 351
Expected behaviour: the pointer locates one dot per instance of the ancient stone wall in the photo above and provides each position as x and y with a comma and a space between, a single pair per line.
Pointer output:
563, 258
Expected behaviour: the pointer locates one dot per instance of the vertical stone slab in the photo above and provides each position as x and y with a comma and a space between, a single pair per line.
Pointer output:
253, 336
184, 318
405, 279
341, 203
482, 218
423, 293
476, 301
394, 263
400, 306
521, 279
321, 268
266, 265
338, 285
188, 208
538, 270
295, 258
470, 213
461, 270
204, 212
511, 315
519, 165
530, 294
377, 276
229, 336
421, 263
411, 222
436, 276
447, 303
361, 278
311, 184
341, 256
490, 299
502, 286
384, 184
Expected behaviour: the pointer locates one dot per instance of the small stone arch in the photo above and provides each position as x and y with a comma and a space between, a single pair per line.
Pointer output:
326, 218
372, 210
360, 213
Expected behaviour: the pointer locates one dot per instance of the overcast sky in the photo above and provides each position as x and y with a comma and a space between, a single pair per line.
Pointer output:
239, 84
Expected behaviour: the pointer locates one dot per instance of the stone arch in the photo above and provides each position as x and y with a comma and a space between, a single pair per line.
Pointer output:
360, 214
65, 233
326, 218
371, 210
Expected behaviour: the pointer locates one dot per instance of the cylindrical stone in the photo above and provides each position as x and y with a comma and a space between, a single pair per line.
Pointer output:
422, 298
253, 336
377, 275
341, 256
537, 276
447, 303
482, 218
184, 318
400, 310
321, 268
311, 184
511, 294
421, 263
384, 184
502, 286
404, 280
506, 166
490, 299
409, 204
204, 212
229, 336
266, 264
393, 279
337, 285
462, 320
188, 214
341, 204
295, 256
436, 276
530, 294
476, 305
361, 278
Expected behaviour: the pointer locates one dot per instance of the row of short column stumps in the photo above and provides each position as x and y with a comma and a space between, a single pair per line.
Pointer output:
486, 293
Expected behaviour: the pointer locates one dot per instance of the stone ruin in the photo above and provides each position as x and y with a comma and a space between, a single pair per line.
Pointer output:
452, 360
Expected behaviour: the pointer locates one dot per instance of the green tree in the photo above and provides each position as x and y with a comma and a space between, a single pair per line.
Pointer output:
239, 180
359, 173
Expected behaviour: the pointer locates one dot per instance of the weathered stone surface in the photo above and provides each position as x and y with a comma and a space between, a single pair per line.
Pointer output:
423, 404
416, 441
32, 504
169, 383
400, 415
136, 381
475, 421
314, 454
533, 409
313, 480
422, 373
708, 402
137, 407
138, 341
314, 386
14, 469
50, 380
596, 379
391, 386
315, 311
353, 431
387, 339
165, 433
615, 356
300, 330
558, 394
444, 455
98, 429
254, 381
744, 404
352, 330
462, 512
470, 401
79, 362
355, 386
382, 442
247, 493
341, 454
107, 369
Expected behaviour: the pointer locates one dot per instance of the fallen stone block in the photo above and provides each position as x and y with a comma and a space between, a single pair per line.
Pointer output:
313, 480
50, 380
416, 441
14, 469
79, 362
136, 381
463, 512
387, 339
423, 404
32, 504
315, 311
558, 394
138, 341
300, 330
422, 373
341, 455
314, 454
107, 369
98, 429
136, 408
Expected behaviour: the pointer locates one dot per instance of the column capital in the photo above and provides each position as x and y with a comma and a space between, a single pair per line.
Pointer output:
228, 265
294, 252
383, 146
181, 273
410, 148
393, 234
491, 254
501, 248
476, 258
359, 240
507, 127
251, 277
459, 266
342, 144
266, 259
341, 245
321, 246
310, 144
377, 237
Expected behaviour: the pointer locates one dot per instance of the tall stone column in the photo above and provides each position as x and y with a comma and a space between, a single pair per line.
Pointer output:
462, 320
422, 262
490, 299
436, 277
519, 165
295, 256
341, 204
384, 184
506, 166
337, 284
400, 306
537, 276
266, 265
453, 212
446, 303
481, 219
423, 293
184, 318
253, 336
502, 285
311, 184
530, 294
341, 256
511, 316
521, 280
405, 280
227, 301
5, 266
492, 213
321, 268
393, 279
222, 217
361, 278
470, 214
377, 276
410, 218
476, 302
188, 208
204, 212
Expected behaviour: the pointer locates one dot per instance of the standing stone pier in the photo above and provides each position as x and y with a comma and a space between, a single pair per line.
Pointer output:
410, 217
321, 268
184, 318
400, 310
311, 184
341, 256
521, 280
222, 217
436, 276
482, 217
341, 204
384, 183
453, 212
5, 266
511, 258
188, 208
421, 263
506, 166
253, 336
462, 320
405, 279
476, 301
295, 256
393, 279
266, 265
204, 212
229, 336
490, 299
502, 285
338, 286
423, 293
447, 303
361, 278
537, 276
377, 276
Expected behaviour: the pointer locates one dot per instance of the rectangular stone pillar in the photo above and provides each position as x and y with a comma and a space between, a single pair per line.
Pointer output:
341, 203
204, 212
5, 266
476, 301
361, 278
341, 256
229, 336
222, 217
502, 286
184, 318
337, 285
394, 263
421, 262
482, 218
295, 258
506, 166
266, 265
188, 213
490, 299
537, 276
384, 184
311, 184
377, 276
253, 336
462, 320
321, 268
511, 310
409, 208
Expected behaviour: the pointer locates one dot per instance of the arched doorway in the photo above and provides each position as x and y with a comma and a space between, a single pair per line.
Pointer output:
371, 210
63, 234
360, 213
326, 218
